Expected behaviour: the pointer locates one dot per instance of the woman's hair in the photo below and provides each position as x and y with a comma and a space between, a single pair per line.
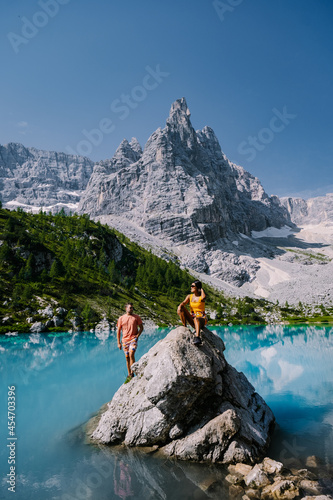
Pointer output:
198, 284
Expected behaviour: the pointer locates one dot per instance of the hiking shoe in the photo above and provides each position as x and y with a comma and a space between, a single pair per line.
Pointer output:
128, 379
197, 341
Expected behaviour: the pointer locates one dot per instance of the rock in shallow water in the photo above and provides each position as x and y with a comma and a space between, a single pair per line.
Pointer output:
190, 402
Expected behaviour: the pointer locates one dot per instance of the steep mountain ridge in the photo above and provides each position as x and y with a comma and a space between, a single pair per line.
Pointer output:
181, 197
35, 178
318, 210
183, 189
184, 177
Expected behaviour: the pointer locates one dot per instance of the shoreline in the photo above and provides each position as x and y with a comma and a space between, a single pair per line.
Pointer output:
113, 330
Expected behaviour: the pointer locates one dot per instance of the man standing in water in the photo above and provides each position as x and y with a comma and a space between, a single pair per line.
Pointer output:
131, 326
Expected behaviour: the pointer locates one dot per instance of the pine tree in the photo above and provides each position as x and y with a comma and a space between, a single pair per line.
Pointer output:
219, 311
66, 301
87, 314
27, 293
56, 269
62, 212
21, 274
102, 256
44, 276
67, 253
10, 224
79, 264
17, 293
5, 253
29, 269
108, 308
114, 276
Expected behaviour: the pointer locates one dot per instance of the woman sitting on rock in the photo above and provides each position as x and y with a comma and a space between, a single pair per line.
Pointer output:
197, 317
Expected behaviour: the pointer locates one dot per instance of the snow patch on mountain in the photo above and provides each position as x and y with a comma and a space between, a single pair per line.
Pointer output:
35, 179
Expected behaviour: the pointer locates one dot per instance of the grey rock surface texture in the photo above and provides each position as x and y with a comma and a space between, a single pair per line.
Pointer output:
30, 177
318, 210
183, 189
189, 402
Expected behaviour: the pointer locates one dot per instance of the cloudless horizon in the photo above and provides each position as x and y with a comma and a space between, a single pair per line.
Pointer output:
79, 77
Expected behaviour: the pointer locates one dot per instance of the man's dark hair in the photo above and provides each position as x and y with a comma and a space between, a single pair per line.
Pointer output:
128, 304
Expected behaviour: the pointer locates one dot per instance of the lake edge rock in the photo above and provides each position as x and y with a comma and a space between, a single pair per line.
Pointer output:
221, 418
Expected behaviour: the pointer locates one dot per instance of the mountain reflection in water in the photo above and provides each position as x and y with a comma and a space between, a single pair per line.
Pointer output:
62, 379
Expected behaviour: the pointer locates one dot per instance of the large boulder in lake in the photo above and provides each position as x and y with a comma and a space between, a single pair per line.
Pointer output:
189, 402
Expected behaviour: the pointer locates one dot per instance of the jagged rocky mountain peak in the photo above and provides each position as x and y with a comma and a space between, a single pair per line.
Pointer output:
208, 132
179, 126
12, 154
185, 191
12, 145
207, 139
34, 178
17, 146
123, 149
126, 154
179, 108
135, 145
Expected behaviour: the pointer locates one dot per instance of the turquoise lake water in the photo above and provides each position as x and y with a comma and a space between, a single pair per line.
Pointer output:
61, 380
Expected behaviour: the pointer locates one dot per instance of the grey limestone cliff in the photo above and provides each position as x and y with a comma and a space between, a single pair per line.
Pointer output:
318, 210
181, 186
183, 190
34, 178
189, 402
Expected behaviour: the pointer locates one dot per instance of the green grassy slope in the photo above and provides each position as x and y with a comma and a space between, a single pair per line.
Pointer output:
91, 271
77, 264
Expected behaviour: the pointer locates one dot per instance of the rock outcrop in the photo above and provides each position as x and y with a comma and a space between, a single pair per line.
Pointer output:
190, 403
318, 210
33, 178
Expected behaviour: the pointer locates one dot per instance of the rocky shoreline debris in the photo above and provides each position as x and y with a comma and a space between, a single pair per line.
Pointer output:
269, 479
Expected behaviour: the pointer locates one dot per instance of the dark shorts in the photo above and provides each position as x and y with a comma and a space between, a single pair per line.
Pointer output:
200, 315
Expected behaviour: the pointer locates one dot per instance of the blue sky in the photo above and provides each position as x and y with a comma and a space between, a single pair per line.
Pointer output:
258, 72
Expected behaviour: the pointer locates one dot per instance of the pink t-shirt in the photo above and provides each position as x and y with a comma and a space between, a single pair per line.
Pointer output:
129, 324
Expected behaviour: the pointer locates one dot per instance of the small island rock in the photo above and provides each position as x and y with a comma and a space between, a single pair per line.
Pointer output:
190, 402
